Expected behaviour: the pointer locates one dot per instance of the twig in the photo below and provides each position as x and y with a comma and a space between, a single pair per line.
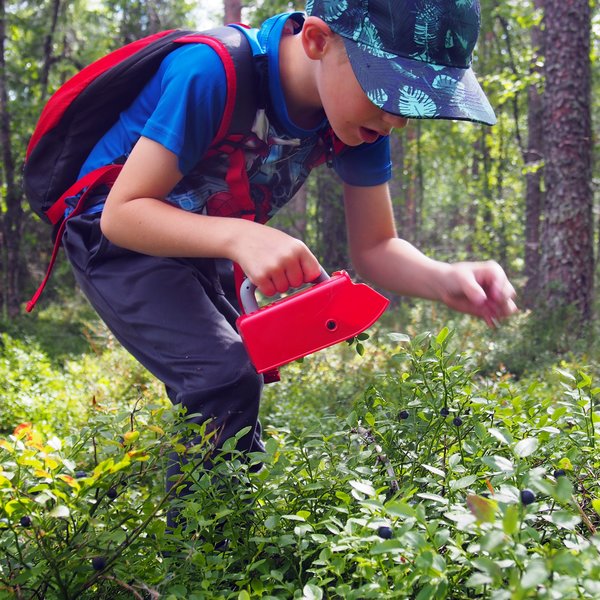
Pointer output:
125, 586
368, 437
585, 518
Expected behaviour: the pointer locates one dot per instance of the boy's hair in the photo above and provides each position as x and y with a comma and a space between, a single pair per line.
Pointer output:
412, 57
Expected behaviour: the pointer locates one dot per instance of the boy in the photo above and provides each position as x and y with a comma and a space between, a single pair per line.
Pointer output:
146, 254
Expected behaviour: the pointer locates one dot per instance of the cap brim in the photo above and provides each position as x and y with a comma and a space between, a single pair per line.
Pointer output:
419, 90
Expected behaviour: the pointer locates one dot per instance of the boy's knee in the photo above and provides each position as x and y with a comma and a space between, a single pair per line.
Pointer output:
230, 384
235, 371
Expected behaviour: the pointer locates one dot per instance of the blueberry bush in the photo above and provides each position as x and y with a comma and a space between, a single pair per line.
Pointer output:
393, 469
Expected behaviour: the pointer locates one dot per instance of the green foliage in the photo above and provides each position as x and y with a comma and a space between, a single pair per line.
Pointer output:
57, 395
398, 473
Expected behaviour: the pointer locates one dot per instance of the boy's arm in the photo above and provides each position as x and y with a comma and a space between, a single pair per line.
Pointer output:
478, 288
137, 217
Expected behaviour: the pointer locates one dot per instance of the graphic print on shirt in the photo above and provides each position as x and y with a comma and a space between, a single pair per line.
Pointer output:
276, 166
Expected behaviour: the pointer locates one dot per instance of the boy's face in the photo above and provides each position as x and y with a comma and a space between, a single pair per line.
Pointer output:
353, 117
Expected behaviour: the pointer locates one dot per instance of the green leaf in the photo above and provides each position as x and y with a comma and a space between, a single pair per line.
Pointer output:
365, 487
499, 463
565, 374
312, 592
596, 505
565, 463
463, 482
564, 519
563, 491
482, 508
501, 435
272, 522
59, 511
535, 574
391, 546
510, 522
488, 566
526, 447
399, 509
566, 562
442, 335
434, 470
401, 338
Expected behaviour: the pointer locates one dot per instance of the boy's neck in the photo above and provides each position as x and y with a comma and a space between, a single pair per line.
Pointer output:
298, 82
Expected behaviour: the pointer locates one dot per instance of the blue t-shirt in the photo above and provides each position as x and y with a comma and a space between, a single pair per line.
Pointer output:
181, 108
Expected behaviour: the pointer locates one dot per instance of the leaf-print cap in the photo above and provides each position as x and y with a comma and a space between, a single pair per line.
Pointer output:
412, 57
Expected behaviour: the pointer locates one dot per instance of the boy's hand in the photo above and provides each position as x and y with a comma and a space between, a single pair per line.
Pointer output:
479, 288
274, 261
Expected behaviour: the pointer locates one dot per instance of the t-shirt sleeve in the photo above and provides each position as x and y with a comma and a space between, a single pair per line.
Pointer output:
192, 92
365, 165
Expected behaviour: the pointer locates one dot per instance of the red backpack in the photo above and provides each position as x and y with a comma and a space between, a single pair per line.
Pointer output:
86, 106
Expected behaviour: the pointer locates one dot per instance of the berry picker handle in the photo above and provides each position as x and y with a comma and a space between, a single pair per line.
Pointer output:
248, 289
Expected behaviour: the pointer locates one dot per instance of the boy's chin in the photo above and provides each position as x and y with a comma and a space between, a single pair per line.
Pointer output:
349, 139
361, 135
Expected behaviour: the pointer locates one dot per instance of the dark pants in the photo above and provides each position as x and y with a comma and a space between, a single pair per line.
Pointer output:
173, 316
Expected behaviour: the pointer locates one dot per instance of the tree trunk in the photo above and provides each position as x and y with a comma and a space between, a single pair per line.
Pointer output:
48, 56
533, 158
566, 266
233, 11
11, 217
413, 188
398, 181
331, 222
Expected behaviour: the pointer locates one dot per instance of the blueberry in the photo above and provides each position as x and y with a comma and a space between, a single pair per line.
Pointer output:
99, 563
80, 474
222, 546
385, 532
25, 521
112, 493
403, 414
527, 497
457, 421
559, 473
444, 412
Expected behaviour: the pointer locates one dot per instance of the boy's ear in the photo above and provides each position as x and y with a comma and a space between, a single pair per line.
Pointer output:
317, 37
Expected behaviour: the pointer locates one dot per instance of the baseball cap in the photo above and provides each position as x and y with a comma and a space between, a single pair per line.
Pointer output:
412, 57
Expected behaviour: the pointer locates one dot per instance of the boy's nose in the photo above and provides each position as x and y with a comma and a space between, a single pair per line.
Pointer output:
395, 121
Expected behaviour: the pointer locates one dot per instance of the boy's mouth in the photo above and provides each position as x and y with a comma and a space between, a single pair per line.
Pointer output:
368, 136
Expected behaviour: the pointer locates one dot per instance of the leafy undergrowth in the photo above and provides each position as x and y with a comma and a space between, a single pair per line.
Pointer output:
399, 474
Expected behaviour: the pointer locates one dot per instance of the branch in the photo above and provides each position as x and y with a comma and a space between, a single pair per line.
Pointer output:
368, 437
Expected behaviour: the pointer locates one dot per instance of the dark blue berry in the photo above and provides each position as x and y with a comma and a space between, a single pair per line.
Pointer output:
80, 474
99, 563
444, 412
527, 497
112, 493
403, 414
457, 421
559, 473
25, 521
385, 532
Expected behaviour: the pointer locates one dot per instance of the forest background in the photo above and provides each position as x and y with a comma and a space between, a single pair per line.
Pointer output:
524, 192
456, 464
